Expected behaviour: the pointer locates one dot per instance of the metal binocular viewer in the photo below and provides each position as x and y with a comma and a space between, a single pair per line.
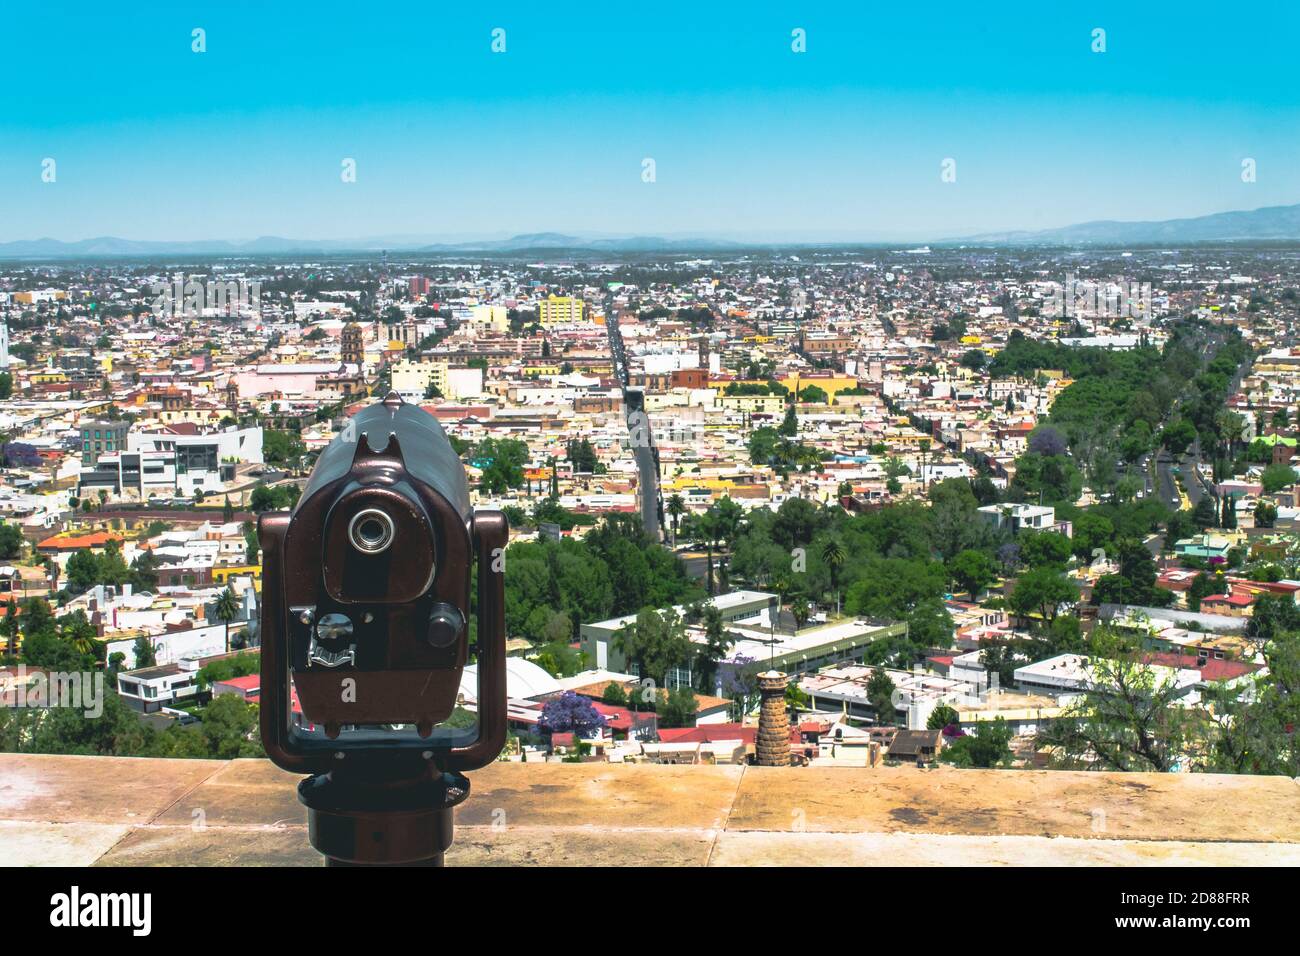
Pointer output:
367, 597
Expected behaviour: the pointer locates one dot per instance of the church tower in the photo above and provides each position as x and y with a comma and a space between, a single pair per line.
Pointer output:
352, 351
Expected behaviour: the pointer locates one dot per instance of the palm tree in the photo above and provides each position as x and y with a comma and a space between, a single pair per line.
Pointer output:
834, 554
707, 533
226, 609
83, 642
1234, 427
727, 516
10, 628
676, 508
802, 611
783, 585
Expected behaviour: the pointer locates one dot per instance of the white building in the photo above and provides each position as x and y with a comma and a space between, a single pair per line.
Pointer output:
1020, 517
168, 461
1070, 675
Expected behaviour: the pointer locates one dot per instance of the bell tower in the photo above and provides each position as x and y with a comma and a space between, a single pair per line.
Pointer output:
352, 352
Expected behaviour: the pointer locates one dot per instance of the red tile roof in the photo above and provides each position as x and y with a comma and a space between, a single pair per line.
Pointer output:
1211, 669
709, 733
96, 539
246, 683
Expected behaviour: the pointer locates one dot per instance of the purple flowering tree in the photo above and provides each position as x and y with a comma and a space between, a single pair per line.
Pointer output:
740, 685
569, 713
19, 455
1047, 441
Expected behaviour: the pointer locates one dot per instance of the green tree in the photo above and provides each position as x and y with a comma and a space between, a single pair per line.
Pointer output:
1202, 586
677, 708
790, 424
1062, 636
1042, 590
973, 571
1272, 617
1091, 531
1178, 436
144, 653
1044, 549
281, 447
117, 731
226, 608
1054, 479
11, 541
228, 729
1256, 725
1135, 583
676, 507
880, 695
1130, 718
500, 462
834, 555
717, 645
655, 643
943, 715
1276, 477
989, 746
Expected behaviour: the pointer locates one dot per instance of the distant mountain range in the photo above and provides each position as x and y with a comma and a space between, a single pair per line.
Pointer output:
110, 246
1271, 223
1268, 223
556, 240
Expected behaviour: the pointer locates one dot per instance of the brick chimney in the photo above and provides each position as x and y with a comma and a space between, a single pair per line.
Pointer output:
773, 743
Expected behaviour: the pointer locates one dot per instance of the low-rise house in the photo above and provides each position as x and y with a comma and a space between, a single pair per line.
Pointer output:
148, 689
1017, 517
1068, 676
915, 746
1206, 547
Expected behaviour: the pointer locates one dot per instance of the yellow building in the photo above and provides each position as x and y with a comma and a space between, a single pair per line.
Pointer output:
222, 575
829, 385
764, 404
416, 377
198, 416
559, 310
47, 377
40, 295
493, 317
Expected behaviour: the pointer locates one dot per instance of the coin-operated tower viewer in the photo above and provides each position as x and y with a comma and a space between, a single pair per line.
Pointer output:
368, 590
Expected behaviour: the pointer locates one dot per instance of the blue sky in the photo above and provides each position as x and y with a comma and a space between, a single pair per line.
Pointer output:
750, 140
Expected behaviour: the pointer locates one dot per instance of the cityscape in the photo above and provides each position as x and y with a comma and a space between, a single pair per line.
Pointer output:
986, 508
692, 437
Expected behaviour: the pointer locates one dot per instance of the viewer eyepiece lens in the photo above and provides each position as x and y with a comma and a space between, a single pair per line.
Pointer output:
371, 531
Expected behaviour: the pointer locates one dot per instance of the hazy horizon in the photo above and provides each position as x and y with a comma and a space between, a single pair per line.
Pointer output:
844, 142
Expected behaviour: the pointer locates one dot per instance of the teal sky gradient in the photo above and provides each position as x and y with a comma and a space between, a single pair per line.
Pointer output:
750, 140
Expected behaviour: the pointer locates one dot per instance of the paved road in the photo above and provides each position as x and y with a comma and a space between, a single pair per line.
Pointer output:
1168, 489
1196, 485
638, 422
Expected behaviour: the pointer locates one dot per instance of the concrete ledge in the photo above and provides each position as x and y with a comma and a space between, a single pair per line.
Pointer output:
57, 810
